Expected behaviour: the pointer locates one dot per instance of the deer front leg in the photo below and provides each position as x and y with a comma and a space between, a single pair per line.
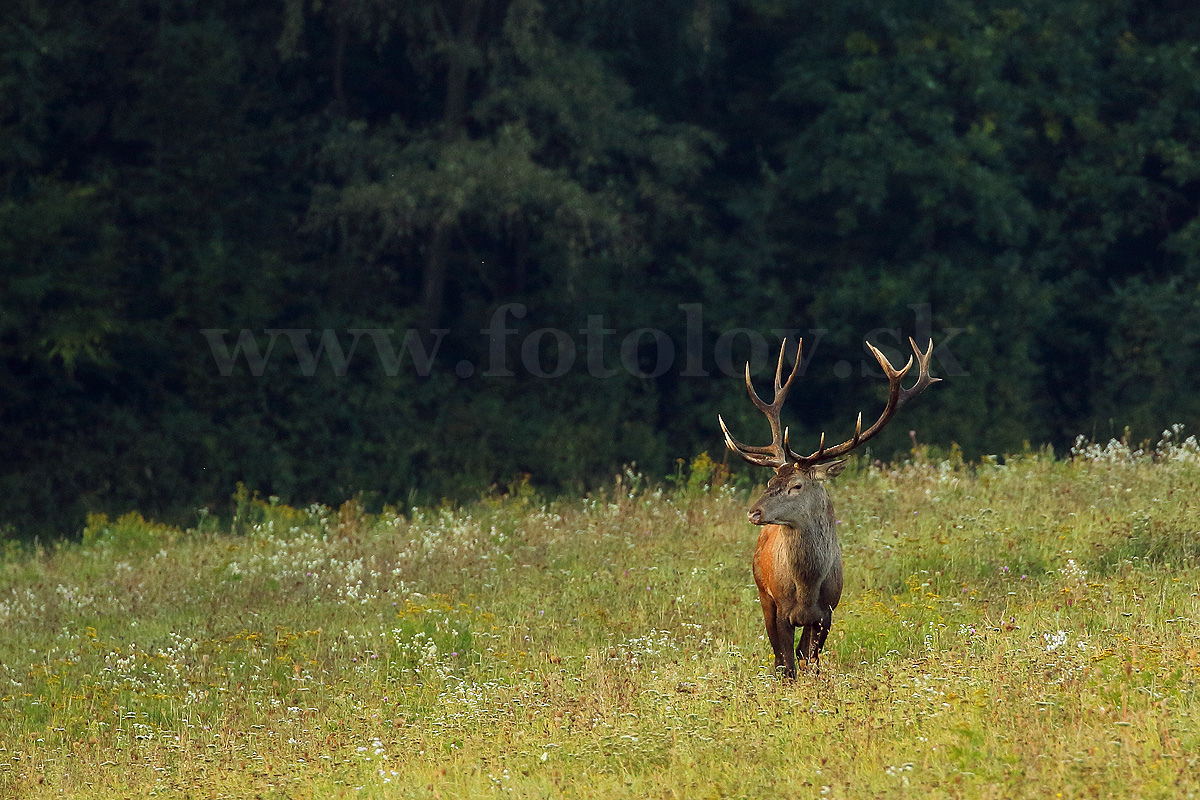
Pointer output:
786, 631
770, 611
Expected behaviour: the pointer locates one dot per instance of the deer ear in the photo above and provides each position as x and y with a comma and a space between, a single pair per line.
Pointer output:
830, 469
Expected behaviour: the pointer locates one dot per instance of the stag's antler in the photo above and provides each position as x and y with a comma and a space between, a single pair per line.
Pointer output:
897, 397
779, 452
775, 454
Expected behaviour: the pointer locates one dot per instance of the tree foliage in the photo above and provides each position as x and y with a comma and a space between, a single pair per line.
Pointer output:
1018, 180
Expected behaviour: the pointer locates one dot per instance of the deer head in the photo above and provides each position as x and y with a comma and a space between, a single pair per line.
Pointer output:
785, 501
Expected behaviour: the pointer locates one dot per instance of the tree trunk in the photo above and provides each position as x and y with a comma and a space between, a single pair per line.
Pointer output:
458, 73
340, 36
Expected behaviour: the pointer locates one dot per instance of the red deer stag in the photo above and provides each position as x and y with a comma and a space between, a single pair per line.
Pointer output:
798, 562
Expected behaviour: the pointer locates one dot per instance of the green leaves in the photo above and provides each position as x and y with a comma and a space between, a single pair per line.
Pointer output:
1018, 181
551, 144
945, 143
60, 303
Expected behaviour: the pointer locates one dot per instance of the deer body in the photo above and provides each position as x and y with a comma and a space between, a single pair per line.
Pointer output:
797, 564
798, 561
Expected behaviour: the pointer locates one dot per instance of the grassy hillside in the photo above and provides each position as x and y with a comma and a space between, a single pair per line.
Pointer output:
1018, 630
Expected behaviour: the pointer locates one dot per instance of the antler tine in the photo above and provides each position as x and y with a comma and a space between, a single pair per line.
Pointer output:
779, 367
897, 397
734, 444
758, 401
787, 447
892, 373
777, 453
762, 456
782, 390
923, 378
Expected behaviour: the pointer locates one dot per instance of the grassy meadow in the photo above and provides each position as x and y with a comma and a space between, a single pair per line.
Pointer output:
1024, 628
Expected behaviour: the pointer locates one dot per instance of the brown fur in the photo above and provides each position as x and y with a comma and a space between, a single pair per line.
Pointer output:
798, 562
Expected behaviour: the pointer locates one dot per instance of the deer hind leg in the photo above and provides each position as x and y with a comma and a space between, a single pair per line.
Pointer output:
816, 622
804, 650
823, 629
813, 639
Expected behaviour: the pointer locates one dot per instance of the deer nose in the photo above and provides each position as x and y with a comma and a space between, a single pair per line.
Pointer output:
756, 516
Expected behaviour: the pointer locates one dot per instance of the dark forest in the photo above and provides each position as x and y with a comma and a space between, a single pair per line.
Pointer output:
412, 251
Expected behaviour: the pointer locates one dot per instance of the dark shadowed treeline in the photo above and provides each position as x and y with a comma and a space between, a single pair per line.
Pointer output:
186, 186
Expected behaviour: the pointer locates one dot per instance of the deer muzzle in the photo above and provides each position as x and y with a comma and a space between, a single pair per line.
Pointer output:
756, 516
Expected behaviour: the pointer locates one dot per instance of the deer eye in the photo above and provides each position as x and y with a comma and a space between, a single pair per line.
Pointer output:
795, 488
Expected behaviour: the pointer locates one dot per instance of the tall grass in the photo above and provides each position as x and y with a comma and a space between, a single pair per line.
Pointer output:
1016, 629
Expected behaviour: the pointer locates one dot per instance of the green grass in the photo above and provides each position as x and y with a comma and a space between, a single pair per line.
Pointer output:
1017, 630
